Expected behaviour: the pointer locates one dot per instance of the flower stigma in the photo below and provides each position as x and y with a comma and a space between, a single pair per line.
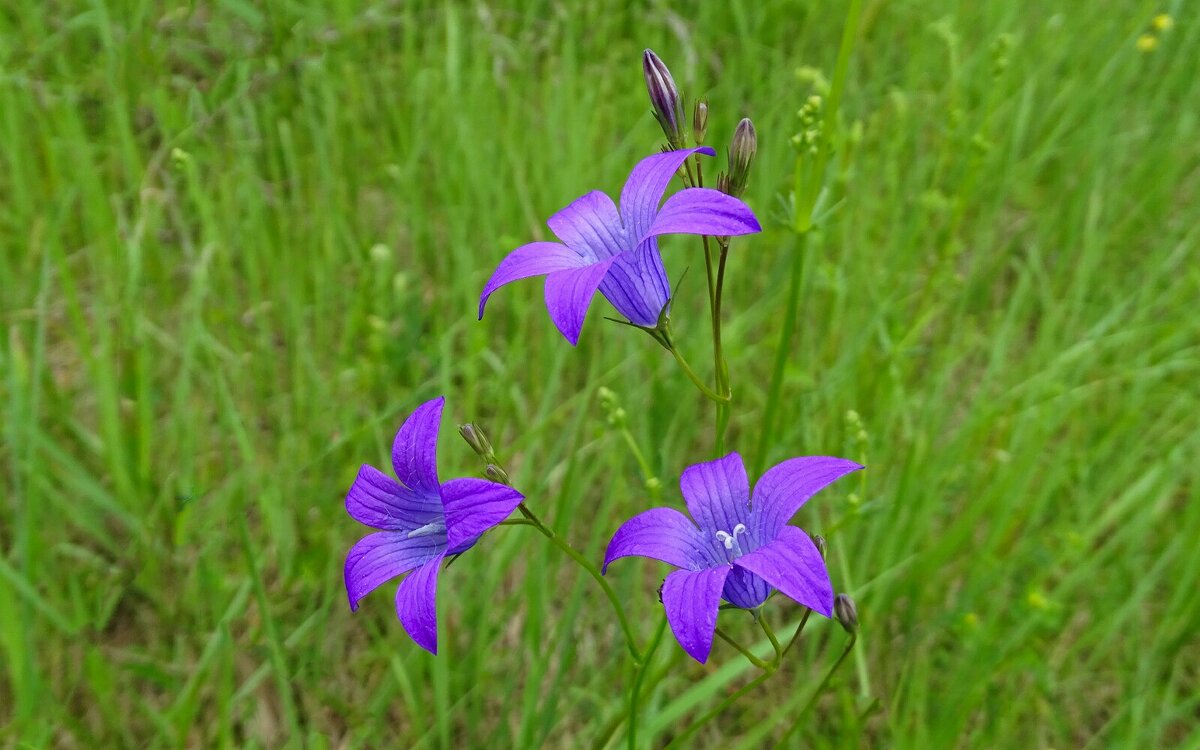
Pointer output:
429, 529
730, 540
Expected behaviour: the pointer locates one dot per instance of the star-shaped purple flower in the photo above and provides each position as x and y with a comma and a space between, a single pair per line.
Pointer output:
743, 548
421, 521
617, 251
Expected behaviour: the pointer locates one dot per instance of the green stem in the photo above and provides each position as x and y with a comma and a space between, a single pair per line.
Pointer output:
730, 700
782, 349
816, 693
610, 728
582, 561
637, 682
643, 464
839, 81
745, 652
708, 264
762, 621
719, 363
799, 629
803, 223
687, 370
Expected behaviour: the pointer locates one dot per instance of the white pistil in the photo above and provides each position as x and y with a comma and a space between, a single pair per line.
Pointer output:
730, 540
429, 529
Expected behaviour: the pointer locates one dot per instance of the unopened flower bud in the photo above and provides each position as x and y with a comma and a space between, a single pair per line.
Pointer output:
664, 97
477, 440
822, 545
741, 156
496, 474
700, 121
846, 613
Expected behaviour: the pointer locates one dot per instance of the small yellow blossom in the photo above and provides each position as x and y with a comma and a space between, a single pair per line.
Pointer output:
1147, 42
1163, 22
1037, 600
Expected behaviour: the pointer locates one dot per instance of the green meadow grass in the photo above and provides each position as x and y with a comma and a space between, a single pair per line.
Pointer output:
241, 241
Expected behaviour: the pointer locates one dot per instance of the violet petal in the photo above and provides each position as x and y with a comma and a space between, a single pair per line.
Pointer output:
637, 285
717, 493
534, 259
568, 295
380, 557
785, 487
704, 211
792, 564
414, 452
691, 599
416, 604
472, 507
644, 189
591, 226
661, 534
378, 501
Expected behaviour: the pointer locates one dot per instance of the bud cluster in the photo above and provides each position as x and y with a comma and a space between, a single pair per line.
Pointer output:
612, 407
808, 140
1001, 47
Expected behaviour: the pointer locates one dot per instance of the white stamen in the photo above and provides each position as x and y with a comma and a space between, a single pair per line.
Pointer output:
729, 540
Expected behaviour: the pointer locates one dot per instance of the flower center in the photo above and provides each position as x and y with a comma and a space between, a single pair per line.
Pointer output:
429, 529
730, 540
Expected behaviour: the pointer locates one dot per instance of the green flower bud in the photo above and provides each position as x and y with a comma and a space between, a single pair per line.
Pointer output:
478, 441
741, 155
822, 545
496, 474
700, 121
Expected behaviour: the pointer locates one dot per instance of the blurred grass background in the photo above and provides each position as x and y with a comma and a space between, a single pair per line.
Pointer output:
242, 241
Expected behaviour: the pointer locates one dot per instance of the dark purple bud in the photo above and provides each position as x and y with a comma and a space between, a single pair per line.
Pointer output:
700, 121
477, 440
846, 613
741, 156
664, 97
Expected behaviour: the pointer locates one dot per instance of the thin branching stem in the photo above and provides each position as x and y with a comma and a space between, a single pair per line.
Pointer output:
766, 628
799, 629
744, 651
812, 699
639, 677
696, 381
582, 561
716, 710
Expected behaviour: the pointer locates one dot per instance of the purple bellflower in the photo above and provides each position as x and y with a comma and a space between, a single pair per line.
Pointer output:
616, 251
739, 549
420, 520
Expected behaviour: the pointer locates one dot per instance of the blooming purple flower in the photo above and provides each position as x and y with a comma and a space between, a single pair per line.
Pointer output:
743, 548
420, 522
617, 251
